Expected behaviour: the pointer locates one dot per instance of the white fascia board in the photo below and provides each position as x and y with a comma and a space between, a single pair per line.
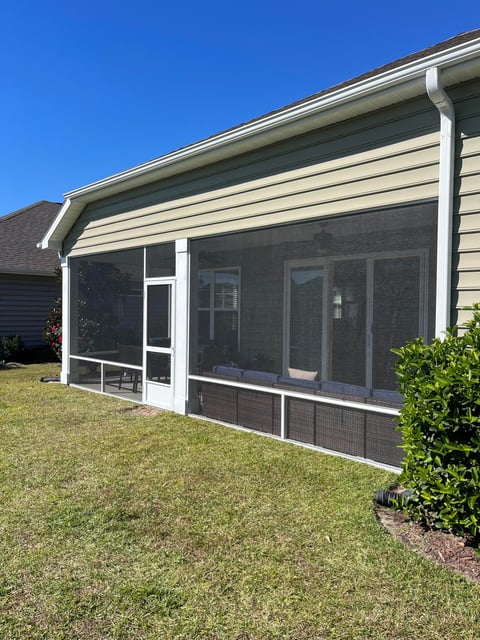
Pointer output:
51, 239
372, 93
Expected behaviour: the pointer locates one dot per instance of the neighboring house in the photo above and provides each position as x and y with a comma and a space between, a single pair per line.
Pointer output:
28, 283
262, 276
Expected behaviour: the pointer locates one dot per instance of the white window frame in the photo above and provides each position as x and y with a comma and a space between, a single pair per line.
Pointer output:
369, 258
212, 308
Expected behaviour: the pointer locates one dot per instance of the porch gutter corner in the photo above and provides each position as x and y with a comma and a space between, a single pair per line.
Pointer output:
442, 102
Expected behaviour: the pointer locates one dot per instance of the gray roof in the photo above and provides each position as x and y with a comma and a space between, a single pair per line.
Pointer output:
19, 233
454, 41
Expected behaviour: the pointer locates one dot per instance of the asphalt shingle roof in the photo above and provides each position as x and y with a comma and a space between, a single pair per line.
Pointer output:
19, 233
459, 39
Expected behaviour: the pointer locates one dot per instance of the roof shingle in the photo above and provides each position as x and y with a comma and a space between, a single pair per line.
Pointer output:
19, 233
459, 39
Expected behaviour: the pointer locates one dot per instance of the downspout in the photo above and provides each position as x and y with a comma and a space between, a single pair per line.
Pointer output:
437, 95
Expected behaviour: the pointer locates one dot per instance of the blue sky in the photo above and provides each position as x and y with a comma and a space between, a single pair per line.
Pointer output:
93, 88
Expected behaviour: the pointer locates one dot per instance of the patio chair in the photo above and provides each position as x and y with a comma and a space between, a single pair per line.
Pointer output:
131, 354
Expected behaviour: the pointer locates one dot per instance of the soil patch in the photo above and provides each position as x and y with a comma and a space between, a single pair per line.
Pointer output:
454, 552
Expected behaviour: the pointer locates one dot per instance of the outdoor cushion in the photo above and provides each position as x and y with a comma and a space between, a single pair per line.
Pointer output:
301, 374
226, 370
264, 376
301, 384
387, 395
345, 389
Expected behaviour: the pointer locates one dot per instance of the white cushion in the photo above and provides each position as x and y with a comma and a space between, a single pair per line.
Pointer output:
302, 375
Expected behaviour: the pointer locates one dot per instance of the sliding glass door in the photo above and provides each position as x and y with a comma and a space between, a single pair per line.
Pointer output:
344, 316
305, 316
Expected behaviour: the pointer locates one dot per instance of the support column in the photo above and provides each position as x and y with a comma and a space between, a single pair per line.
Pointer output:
65, 372
180, 372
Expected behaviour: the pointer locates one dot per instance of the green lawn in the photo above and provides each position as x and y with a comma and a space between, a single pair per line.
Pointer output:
116, 525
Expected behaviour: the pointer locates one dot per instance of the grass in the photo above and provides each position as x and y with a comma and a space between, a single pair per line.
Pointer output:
120, 526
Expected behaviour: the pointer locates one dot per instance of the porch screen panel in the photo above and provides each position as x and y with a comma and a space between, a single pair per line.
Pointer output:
107, 306
160, 260
332, 297
397, 313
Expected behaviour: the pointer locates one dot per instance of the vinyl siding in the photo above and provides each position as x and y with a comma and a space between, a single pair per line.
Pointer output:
384, 159
25, 302
466, 241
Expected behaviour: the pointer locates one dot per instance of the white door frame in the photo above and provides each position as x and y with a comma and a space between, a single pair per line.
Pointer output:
157, 393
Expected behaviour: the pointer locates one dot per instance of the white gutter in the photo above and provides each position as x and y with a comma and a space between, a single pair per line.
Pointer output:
437, 95
458, 63
412, 72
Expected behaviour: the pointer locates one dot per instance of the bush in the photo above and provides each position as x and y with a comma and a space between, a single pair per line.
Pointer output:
52, 332
12, 348
440, 423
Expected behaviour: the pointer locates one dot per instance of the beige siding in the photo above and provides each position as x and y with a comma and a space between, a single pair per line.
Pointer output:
25, 302
466, 259
384, 159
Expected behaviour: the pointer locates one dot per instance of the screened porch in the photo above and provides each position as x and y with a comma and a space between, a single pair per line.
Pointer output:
290, 321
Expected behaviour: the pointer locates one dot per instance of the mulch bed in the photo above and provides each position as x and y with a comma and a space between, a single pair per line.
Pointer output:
454, 552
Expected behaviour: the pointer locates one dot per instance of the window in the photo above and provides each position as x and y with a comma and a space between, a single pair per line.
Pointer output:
218, 309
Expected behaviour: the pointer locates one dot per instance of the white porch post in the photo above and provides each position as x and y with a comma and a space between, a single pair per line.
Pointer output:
65, 372
180, 371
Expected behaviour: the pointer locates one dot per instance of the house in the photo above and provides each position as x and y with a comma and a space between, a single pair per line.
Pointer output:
262, 276
28, 283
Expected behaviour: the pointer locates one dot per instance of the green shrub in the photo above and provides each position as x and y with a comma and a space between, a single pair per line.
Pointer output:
12, 347
440, 423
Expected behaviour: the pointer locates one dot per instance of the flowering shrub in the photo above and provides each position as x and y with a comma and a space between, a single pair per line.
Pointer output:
52, 332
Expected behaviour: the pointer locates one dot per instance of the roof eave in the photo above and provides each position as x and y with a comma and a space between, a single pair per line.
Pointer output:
29, 272
408, 81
